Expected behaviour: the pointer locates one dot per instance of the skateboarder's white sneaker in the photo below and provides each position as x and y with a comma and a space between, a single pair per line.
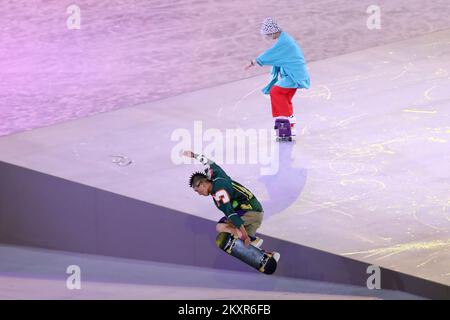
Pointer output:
292, 120
257, 242
276, 256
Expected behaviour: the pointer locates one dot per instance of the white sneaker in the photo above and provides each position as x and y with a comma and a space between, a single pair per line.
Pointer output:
276, 256
257, 242
293, 120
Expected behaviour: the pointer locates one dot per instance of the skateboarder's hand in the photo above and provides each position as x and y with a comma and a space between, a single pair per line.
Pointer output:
188, 154
246, 241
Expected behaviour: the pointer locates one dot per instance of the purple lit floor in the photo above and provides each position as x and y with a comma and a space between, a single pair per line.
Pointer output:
367, 178
28, 273
132, 52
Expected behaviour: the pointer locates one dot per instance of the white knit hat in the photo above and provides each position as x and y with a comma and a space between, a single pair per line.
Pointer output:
269, 26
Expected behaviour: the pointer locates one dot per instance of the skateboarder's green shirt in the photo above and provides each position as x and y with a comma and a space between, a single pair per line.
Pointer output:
229, 196
232, 198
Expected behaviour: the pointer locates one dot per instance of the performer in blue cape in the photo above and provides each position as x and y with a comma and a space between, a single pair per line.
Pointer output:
288, 73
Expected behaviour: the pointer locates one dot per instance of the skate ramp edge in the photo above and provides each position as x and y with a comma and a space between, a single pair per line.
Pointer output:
40, 210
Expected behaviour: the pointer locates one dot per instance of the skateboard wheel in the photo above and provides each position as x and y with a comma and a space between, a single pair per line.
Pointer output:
222, 239
270, 267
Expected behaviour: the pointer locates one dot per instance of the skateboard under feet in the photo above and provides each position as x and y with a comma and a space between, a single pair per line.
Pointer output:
283, 130
254, 257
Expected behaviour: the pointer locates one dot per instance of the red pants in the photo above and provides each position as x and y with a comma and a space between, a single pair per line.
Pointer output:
281, 99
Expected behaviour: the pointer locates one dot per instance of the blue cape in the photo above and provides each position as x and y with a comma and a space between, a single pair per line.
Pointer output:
286, 54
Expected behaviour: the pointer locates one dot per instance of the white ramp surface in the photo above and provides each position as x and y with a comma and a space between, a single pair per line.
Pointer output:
368, 176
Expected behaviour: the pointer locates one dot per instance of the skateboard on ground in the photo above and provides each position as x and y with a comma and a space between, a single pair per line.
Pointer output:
254, 257
283, 129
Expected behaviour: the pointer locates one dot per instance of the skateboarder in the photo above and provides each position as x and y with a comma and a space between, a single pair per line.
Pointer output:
243, 212
288, 63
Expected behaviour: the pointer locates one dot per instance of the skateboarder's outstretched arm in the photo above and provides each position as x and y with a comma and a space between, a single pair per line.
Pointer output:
213, 169
205, 161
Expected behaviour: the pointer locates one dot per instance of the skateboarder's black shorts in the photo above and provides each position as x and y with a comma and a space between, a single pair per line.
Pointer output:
252, 221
